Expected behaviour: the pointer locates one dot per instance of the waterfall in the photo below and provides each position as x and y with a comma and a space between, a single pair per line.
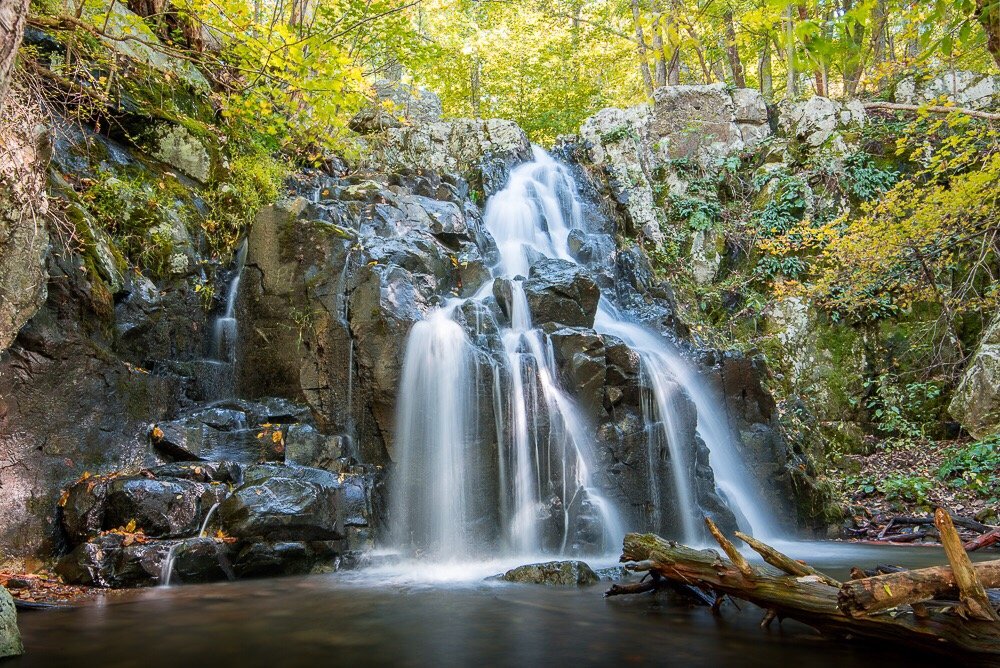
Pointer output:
224, 330
433, 422
540, 481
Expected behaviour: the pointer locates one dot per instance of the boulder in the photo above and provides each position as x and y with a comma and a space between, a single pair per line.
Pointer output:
10, 637
696, 122
285, 558
561, 292
200, 560
285, 503
24, 239
306, 446
976, 402
580, 355
160, 507
553, 573
823, 125
82, 512
107, 561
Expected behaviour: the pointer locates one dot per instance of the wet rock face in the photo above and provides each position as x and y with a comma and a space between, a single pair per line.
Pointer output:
163, 508
10, 637
291, 504
353, 272
553, 573
752, 413
258, 520
561, 292
106, 561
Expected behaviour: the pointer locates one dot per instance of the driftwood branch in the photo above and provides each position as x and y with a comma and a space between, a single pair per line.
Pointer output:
984, 540
812, 599
971, 592
783, 562
934, 109
882, 592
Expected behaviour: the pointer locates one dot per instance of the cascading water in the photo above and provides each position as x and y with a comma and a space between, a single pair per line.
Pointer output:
224, 330
448, 497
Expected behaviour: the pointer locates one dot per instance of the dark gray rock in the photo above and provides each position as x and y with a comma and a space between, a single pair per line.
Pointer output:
201, 560
160, 507
284, 503
285, 558
207, 472
558, 573
561, 292
106, 561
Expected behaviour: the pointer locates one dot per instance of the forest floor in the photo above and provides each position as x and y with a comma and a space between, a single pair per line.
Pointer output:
904, 480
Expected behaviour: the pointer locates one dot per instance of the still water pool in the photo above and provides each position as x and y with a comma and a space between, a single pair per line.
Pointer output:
408, 615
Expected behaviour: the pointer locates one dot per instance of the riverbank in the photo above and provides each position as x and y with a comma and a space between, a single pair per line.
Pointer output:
909, 479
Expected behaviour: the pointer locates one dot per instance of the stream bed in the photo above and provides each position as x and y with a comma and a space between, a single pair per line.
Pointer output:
443, 615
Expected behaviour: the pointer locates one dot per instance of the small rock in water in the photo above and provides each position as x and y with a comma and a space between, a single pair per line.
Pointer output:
561, 573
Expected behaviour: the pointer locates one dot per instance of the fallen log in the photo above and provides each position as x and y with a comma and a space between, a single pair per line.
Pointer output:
934, 109
985, 540
882, 592
808, 599
971, 592
964, 522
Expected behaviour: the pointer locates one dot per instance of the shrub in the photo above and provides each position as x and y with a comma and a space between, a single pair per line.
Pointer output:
976, 467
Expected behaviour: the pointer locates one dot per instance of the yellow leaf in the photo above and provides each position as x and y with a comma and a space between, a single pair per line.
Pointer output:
130, 527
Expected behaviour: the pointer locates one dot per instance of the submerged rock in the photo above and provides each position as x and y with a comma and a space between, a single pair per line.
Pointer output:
558, 573
285, 558
10, 637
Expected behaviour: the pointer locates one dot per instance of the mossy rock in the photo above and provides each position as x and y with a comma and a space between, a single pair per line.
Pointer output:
553, 573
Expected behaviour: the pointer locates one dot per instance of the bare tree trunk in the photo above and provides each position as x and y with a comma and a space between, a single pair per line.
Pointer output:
855, 65
474, 86
765, 72
640, 41
817, 71
790, 92
987, 12
659, 52
13, 14
735, 64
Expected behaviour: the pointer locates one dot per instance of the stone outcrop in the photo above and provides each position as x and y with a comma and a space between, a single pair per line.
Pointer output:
485, 149
636, 147
961, 87
352, 273
823, 125
976, 401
